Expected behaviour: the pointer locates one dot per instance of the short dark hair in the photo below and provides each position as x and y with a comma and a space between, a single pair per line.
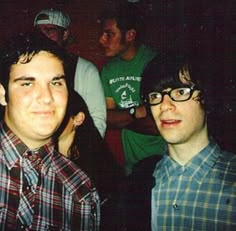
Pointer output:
28, 44
127, 17
163, 72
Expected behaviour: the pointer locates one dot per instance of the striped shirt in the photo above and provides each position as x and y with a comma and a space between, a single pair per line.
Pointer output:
56, 195
198, 196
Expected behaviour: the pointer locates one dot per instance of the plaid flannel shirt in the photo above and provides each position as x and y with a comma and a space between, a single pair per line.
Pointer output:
61, 197
198, 196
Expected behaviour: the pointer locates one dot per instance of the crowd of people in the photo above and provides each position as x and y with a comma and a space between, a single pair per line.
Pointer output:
130, 148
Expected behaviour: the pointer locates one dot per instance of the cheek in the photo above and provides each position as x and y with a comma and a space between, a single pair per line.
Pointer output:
53, 38
61, 98
115, 42
201, 118
20, 99
155, 112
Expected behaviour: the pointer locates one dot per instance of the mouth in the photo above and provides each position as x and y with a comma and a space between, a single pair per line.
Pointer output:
43, 113
169, 122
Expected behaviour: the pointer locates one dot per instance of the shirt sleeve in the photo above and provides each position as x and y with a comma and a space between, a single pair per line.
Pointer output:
88, 84
88, 212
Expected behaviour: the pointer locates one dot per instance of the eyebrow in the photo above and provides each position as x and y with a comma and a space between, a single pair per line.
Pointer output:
26, 78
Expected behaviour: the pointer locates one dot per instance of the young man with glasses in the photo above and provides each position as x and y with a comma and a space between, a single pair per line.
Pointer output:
195, 186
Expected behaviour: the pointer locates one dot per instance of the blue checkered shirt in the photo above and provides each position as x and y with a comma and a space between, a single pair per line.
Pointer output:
198, 196
55, 196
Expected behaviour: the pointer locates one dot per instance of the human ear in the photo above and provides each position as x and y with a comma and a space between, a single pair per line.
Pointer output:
78, 119
3, 101
130, 35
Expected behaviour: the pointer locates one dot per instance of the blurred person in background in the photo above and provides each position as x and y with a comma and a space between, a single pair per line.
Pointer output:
131, 132
54, 24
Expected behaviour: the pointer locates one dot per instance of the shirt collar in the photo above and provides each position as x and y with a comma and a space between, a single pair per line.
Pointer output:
14, 148
197, 168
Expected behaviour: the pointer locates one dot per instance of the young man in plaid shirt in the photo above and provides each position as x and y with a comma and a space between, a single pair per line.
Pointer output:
195, 184
40, 189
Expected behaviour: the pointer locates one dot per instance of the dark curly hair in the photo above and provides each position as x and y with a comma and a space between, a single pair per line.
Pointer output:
28, 45
163, 72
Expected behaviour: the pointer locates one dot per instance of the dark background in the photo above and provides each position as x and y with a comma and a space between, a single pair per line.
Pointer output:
204, 26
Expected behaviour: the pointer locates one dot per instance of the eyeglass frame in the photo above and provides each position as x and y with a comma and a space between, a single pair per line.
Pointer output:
163, 93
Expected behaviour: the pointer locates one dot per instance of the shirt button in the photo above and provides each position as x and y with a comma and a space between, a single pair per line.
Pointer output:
175, 206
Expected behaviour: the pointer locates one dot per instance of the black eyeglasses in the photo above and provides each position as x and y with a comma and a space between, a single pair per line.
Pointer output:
177, 94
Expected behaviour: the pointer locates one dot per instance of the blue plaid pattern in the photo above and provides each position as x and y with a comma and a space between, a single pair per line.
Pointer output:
60, 196
198, 196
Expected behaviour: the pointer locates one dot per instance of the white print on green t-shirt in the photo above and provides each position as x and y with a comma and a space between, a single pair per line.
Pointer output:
122, 78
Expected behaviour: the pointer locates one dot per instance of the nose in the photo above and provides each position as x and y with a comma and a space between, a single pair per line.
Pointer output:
102, 39
167, 103
44, 95
45, 32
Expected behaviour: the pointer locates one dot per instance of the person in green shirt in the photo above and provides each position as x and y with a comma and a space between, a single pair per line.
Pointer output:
121, 78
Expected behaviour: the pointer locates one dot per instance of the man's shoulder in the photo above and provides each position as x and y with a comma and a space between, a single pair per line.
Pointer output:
85, 68
229, 159
148, 49
85, 62
144, 55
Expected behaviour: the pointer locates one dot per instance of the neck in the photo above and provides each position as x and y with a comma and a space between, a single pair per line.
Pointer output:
28, 141
184, 152
129, 53
65, 142
34, 145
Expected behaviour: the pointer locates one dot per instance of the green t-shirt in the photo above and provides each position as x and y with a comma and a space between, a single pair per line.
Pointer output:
121, 81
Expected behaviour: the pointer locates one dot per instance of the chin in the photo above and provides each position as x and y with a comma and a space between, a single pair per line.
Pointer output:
47, 129
171, 138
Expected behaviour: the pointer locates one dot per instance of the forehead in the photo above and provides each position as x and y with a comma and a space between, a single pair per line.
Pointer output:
41, 64
110, 24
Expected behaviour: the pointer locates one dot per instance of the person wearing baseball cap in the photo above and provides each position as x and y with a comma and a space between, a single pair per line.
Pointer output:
54, 24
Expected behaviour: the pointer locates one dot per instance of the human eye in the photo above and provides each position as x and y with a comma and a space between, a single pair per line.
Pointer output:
24, 81
51, 30
180, 93
109, 34
26, 84
58, 82
155, 97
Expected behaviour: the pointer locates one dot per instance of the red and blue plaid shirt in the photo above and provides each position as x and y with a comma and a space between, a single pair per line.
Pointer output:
56, 195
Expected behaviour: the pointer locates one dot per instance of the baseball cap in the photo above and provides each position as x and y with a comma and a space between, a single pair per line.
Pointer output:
52, 16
